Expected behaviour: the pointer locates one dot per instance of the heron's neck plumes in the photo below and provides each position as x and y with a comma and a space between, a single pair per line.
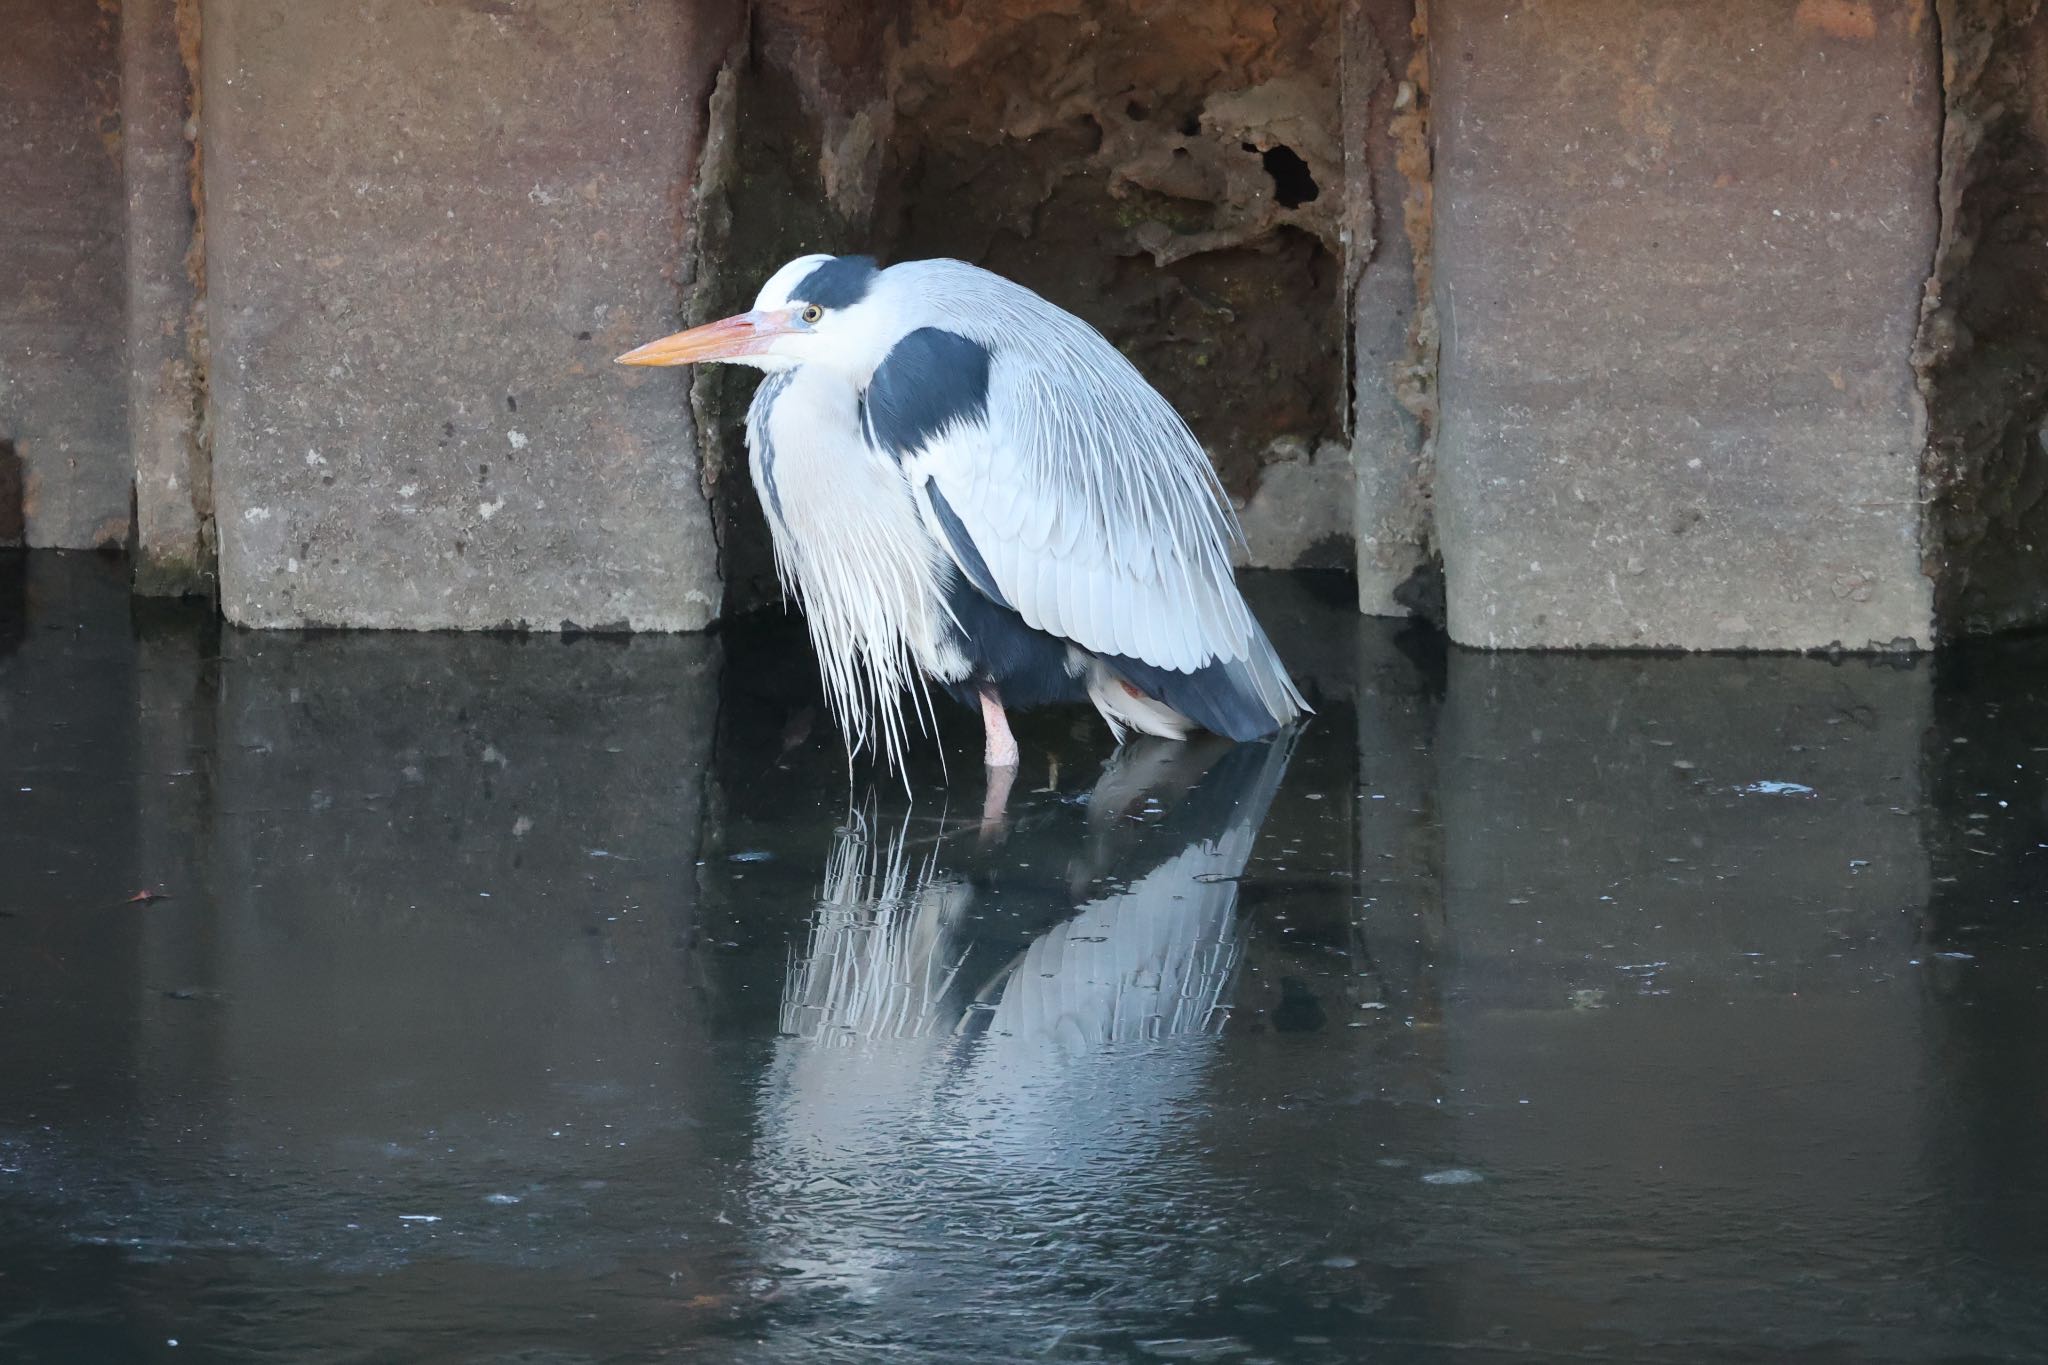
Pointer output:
849, 548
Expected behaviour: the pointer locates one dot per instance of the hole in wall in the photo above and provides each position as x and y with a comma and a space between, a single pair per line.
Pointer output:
1293, 183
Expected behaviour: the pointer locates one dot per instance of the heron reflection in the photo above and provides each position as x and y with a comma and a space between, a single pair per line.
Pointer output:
1146, 944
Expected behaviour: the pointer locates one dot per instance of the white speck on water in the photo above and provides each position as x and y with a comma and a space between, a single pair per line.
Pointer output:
501, 1199
1340, 1262
291, 566
521, 826
314, 459
1773, 788
419, 1217
255, 514
1457, 1175
487, 510
1958, 957
517, 439
752, 855
406, 490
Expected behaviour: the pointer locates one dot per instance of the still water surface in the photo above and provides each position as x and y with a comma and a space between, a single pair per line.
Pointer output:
522, 1000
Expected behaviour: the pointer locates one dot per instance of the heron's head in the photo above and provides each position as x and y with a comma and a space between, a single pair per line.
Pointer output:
817, 310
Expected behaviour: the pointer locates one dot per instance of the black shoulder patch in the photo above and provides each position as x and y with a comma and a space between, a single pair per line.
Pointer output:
929, 381
839, 283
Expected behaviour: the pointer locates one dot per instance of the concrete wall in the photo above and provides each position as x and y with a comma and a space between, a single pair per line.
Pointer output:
64, 468
1679, 256
1641, 323
429, 228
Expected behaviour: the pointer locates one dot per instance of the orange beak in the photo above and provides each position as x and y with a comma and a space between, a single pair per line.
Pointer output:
745, 334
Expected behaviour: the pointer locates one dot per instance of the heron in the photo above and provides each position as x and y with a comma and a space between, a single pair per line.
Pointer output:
967, 485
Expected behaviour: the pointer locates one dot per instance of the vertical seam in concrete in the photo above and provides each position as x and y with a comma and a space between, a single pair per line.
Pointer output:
1417, 385
200, 484
1361, 216
1920, 358
708, 237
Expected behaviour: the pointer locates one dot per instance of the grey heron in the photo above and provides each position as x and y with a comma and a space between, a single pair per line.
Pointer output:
968, 485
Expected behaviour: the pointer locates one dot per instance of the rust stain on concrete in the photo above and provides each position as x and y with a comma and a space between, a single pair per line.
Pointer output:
1853, 19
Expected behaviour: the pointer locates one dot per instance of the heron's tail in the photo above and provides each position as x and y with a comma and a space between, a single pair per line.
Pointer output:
1241, 699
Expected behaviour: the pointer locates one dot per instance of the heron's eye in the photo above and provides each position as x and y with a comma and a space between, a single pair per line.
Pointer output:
813, 313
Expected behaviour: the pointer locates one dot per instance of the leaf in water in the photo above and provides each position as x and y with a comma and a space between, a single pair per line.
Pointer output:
147, 897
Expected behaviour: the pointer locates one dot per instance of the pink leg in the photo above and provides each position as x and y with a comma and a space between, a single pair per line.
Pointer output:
995, 804
1001, 751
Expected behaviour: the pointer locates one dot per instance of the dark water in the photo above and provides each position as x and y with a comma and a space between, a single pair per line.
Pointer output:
531, 1001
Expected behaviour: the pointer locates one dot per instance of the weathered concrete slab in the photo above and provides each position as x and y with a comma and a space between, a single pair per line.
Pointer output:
173, 484
429, 228
1679, 255
61, 411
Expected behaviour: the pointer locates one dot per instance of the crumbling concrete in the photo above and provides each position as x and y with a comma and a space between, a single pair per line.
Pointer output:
429, 229
1393, 332
1982, 351
1300, 517
1181, 185
1678, 257
64, 467
166, 338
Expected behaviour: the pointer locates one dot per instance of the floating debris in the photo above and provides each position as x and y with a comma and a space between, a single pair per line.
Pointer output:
1773, 788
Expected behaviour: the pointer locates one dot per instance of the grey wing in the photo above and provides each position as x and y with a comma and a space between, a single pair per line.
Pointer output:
1073, 494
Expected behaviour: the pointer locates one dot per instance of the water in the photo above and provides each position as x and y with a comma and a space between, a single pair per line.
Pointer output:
520, 1000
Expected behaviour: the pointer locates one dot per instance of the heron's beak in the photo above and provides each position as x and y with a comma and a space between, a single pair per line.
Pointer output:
726, 339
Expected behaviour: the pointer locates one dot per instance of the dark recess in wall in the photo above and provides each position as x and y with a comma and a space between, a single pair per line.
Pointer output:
13, 516
1983, 346
1177, 185
1180, 186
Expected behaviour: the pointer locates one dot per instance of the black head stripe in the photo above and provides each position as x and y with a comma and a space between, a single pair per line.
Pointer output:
839, 283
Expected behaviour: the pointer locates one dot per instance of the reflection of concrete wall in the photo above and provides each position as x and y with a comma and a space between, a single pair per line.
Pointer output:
1593, 817
1671, 1004
429, 228
67, 846
60, 277
448, 880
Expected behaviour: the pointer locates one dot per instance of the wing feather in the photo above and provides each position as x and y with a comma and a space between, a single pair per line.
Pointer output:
1079, 487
